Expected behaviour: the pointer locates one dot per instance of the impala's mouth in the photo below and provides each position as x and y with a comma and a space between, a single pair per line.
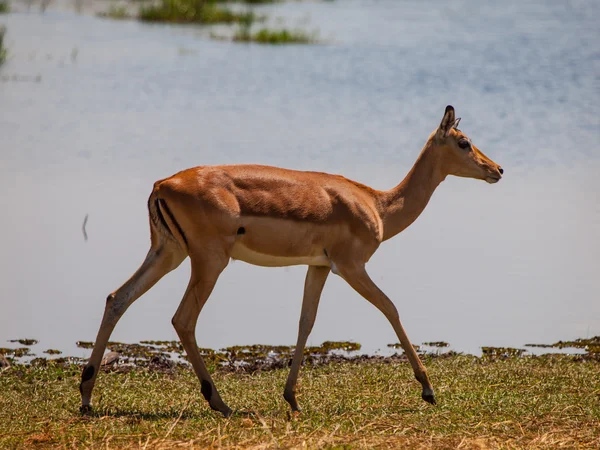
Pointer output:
492, 178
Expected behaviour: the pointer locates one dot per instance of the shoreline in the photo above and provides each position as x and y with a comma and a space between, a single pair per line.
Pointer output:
167, 355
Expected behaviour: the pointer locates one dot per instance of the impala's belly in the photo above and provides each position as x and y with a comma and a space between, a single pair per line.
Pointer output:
243, 253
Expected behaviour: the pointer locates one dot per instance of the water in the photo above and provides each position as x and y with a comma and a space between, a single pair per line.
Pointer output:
118, 105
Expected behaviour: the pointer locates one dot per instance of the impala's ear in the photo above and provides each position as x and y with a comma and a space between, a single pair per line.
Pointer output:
456, 122
448, 122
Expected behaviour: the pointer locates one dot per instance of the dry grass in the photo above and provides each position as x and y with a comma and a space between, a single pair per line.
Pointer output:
534, 402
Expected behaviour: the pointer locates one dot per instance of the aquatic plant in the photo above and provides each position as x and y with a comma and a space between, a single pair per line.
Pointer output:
84, 344
2, 48
16, 352
115, 12
275, 37
52, 351
439, 344
25, 341
590, 345
501, 352
192, 11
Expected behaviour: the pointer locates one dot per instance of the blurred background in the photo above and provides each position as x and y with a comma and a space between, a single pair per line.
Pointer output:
93, 110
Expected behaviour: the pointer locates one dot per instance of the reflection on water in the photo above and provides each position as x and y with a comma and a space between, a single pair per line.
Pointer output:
499, 265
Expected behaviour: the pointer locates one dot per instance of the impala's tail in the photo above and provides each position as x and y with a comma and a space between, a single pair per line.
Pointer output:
162, 221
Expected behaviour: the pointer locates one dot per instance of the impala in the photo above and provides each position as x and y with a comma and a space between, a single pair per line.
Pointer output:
274, 217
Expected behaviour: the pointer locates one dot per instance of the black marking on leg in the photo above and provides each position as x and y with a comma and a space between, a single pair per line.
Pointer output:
429, 398
241, 230
290, 397
206, 389
325, 251
87, 374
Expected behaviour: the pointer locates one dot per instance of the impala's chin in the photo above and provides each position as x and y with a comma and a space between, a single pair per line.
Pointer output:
491, 179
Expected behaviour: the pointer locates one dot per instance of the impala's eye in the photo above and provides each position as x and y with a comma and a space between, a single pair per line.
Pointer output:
464, 144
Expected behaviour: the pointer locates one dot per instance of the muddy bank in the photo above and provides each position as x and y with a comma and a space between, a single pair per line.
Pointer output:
168, 355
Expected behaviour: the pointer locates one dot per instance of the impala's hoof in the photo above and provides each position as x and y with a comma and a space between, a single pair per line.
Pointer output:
227, 413
85, 410
429, 398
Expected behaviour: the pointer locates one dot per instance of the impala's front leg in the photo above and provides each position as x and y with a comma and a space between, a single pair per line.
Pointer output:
313, 286
359, 279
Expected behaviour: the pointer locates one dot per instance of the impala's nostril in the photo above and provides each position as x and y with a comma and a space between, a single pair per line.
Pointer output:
501, 170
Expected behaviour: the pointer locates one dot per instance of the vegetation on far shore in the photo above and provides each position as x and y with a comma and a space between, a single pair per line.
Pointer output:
4, 7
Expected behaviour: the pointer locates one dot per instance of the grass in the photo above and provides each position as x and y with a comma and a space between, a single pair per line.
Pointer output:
489, 402
4, 7
116, 12
192, 11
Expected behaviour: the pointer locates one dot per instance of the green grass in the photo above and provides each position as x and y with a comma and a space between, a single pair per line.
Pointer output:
192, 11
267, 36
497, 402
116, 12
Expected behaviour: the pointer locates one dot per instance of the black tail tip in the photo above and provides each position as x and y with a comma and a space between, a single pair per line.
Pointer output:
429, 398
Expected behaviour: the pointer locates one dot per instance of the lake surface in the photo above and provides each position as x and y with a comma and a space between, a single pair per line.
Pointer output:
93, 111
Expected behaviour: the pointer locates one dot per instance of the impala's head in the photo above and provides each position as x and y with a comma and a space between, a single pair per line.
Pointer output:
458, 155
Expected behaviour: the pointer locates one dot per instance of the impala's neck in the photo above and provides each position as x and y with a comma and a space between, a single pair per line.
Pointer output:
401, 205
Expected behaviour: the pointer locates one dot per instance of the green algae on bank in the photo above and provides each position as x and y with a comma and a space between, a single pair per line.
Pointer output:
20, 352
24, 341
590, 345
52, 351
438, 344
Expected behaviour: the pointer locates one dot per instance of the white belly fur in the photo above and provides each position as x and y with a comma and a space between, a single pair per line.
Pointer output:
245, 254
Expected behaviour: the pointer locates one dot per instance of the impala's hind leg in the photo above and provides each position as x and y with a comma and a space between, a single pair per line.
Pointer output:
159, 261
205, 272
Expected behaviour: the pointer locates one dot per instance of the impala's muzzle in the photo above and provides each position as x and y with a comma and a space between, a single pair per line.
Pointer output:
495, 175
